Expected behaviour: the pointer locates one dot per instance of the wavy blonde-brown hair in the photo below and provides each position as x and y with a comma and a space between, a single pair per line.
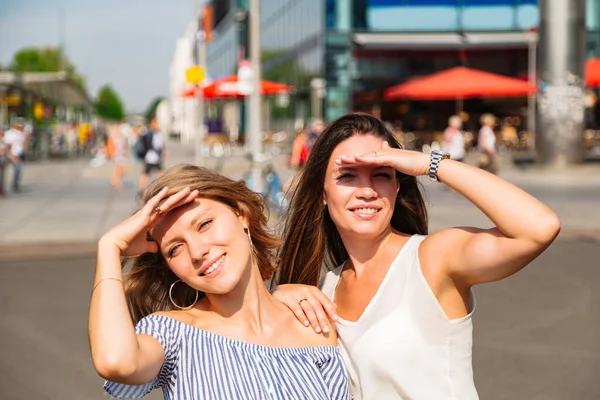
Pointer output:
149, 279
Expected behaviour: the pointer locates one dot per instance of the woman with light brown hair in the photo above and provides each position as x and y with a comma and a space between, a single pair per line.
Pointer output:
403, 298
205, 325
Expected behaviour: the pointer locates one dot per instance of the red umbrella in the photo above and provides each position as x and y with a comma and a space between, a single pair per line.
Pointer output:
460, 83
229, 87
592, 72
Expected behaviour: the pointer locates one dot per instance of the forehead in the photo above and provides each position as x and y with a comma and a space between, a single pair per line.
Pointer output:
182, 216
357, 144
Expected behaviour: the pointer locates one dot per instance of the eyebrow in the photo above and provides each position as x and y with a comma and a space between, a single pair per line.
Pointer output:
198, 216
192, 223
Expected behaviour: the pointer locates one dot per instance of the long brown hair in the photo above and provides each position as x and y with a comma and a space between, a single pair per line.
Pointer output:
310, 238
149, 279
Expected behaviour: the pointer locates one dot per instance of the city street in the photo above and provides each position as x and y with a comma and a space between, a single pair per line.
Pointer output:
535, 333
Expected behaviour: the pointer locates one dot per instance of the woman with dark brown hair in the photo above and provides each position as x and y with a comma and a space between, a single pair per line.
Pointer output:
205, 325
403, 297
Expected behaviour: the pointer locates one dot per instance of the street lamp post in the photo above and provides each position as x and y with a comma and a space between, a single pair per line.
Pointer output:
560, 98
255, 131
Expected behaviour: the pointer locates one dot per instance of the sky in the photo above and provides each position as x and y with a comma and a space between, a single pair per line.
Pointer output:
127, 44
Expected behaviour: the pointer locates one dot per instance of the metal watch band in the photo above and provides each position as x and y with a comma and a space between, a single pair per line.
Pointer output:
434, 163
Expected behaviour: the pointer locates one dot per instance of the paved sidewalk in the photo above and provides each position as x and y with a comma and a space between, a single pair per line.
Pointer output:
65, 206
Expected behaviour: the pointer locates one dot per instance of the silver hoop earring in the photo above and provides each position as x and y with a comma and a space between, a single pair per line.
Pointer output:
250, 238
177, 305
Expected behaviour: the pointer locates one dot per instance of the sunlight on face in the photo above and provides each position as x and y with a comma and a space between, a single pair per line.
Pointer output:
360, 199
205, 245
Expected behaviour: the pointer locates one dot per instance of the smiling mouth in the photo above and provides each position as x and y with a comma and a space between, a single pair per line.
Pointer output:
214, 266
365, 210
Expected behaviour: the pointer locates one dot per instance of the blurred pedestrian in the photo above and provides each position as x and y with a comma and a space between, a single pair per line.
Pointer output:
316, 128
15, 141
3, 161
300, 149
206, 326
151, 149
117, 151
454, 140
486, 140
404, 298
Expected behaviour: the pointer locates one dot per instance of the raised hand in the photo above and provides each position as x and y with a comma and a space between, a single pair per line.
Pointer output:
130, 236
408, 162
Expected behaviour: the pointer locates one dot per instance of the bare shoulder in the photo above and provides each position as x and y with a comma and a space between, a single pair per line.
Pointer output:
441, 246
447, 240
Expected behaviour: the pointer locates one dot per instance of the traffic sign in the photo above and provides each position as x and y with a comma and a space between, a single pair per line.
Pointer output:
194, 74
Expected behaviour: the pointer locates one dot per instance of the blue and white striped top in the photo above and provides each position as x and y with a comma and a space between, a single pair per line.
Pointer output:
202, 365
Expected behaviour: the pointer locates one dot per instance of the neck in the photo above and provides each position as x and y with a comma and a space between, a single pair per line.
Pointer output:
249, 303
364, 252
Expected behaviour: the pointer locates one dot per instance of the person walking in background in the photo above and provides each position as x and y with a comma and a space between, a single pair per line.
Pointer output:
206, 326
486, 140
454, 140
300, 149
151, 149
16, 141
3, 161
117, 151
304, 141
316, 128
404, 298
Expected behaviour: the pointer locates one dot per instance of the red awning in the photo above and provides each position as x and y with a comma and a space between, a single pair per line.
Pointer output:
592, 72
460, 82
229, 88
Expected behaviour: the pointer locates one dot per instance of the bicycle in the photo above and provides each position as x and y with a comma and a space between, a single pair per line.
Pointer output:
273, 189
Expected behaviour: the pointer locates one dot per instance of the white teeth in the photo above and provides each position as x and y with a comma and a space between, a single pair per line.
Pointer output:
216, 265
366, 210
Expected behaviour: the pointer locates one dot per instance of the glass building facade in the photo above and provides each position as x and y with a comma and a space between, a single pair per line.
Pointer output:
361, 47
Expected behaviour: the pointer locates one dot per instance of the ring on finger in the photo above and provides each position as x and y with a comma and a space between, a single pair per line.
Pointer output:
301, 300
157, 210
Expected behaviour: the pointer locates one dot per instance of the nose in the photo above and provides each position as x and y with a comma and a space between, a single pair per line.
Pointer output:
365, 190
198, 248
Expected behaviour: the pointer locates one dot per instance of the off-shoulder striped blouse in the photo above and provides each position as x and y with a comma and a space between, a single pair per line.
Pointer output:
202, 365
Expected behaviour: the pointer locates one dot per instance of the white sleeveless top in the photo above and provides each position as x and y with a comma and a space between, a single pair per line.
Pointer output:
404, 346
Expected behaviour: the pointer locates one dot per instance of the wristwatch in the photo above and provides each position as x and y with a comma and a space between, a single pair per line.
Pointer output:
436, 157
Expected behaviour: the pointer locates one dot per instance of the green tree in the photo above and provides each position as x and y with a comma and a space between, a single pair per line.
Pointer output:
151, 110
48, 59
108, 105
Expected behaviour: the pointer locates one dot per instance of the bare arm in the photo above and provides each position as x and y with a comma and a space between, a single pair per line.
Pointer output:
524, 227
10, 155
119, 354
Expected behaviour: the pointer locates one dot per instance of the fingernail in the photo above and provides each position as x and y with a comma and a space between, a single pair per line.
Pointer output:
305, 323
326, 329
336, 317
318, 329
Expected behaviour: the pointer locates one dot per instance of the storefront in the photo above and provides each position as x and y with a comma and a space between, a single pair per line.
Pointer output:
362, 47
